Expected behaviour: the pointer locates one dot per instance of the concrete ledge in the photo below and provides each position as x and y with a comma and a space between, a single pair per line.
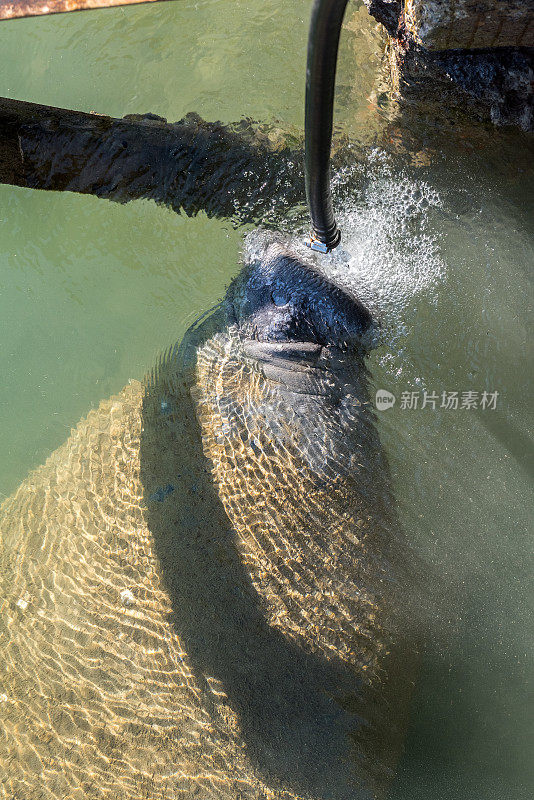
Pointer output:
450, 55
470, 24
488, 86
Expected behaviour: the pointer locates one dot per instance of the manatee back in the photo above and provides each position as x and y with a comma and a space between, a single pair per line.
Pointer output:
140, 656
97, 696
306, 487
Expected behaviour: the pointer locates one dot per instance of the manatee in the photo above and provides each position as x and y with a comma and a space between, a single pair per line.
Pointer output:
202, 589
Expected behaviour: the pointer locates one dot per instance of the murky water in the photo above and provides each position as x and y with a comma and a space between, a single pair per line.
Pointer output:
440, 244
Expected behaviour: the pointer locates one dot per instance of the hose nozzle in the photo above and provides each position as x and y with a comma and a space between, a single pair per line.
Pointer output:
324, 243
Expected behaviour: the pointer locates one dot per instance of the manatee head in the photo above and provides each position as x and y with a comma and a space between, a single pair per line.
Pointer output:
280, 298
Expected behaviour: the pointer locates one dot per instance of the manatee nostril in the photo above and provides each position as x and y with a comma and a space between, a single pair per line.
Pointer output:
279, 297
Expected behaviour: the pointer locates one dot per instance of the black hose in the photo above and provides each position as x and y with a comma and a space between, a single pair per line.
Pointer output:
325, 29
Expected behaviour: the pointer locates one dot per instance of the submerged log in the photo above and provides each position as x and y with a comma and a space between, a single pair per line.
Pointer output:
240, 171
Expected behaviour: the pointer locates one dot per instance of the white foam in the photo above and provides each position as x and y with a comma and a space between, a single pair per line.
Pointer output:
389, 254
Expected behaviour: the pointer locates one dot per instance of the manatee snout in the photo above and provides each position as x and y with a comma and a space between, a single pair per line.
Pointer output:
279, 297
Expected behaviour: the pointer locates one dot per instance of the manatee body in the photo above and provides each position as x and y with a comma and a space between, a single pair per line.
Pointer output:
200, 588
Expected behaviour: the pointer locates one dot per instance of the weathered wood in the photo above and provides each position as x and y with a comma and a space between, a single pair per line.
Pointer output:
470, 24
14, 9
234, 171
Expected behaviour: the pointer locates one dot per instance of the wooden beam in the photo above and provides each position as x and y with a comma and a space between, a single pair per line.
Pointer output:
14, 9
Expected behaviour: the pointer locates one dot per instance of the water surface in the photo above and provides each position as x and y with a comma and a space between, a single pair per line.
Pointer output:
439, 236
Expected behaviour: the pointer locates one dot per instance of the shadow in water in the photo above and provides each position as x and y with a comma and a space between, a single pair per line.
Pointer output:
452, 750
290, 703
242, 171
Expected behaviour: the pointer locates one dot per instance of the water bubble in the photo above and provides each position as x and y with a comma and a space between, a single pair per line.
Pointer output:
127, 597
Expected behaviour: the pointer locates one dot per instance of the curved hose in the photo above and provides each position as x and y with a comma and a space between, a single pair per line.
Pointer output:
323, 41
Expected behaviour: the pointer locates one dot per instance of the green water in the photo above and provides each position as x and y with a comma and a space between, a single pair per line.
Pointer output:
91, 292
